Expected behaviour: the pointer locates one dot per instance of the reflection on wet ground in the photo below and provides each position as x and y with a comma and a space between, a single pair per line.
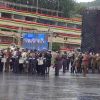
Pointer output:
64, 87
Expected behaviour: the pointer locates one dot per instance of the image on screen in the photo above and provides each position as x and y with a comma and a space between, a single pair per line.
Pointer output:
35, 41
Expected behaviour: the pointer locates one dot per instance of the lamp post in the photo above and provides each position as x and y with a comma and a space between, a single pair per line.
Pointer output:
20, 36
13, 39
58, 8
37, 6
51, 38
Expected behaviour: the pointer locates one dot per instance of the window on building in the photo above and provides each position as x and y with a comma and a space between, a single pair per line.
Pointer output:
74, 25
44, 21
19, 17
78, 26
71, 25
6, 39
6, 15
29, 19
65, 38
61, 24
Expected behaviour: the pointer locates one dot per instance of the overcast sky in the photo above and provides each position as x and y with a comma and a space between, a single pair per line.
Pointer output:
84, 0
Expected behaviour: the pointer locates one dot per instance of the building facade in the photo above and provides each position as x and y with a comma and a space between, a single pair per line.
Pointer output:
15, 22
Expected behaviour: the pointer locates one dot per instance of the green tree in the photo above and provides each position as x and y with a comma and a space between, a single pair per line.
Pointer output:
55, 46
79, 8
67, 6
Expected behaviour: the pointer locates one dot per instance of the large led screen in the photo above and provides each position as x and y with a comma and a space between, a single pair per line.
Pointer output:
35, 41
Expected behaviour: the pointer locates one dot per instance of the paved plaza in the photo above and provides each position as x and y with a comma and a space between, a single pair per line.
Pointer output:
64, 87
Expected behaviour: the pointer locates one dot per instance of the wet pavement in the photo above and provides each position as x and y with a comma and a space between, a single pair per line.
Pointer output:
64, 87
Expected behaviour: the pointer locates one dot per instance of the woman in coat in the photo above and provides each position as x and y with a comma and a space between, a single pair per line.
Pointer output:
85, 63
57, 64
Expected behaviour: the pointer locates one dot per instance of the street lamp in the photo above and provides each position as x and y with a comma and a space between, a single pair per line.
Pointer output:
20, 36
51, 38
37, 6
58, 8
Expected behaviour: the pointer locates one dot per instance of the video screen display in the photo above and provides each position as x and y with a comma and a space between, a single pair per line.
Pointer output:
35, 41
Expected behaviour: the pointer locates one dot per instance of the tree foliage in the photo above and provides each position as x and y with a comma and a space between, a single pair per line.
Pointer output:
79, 8
91, 4
55, 46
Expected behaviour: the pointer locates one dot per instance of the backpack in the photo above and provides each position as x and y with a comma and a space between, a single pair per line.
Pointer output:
40, 61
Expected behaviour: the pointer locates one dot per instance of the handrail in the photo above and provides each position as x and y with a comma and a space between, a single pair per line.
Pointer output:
38, 14
28, 6
27, 22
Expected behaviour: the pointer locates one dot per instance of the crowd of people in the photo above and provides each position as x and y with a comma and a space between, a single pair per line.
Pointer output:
25, 61
83, 62
39, 62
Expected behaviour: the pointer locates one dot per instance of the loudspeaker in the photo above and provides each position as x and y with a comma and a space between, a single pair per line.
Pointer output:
90, 31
